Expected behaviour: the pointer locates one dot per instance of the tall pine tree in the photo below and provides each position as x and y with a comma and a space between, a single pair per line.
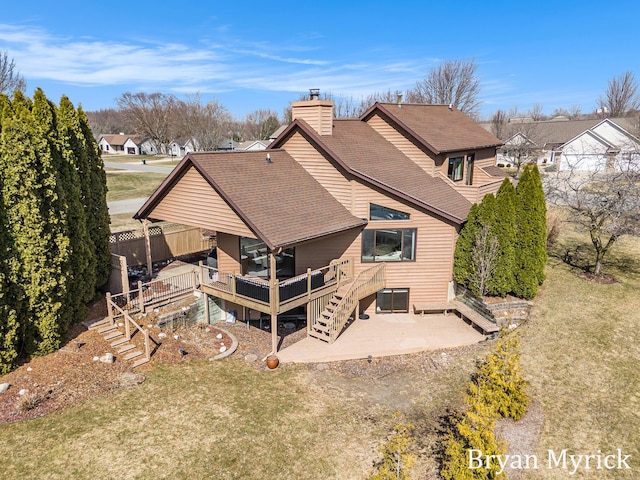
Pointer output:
531, 254
52, 182
74, 166
96, 203
504, 228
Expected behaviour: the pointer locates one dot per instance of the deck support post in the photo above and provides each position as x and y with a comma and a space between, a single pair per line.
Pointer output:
274, 300
147, 247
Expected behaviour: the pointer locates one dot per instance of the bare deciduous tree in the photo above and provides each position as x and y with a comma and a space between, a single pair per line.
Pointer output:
204, 125
150, 115
621, 96
484, 258
10, 79
536, 113
107, 121
498, 123
259, 125
603, 200
521, 147
453, 82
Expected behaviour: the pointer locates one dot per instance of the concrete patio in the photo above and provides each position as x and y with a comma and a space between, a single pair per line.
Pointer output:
384, 335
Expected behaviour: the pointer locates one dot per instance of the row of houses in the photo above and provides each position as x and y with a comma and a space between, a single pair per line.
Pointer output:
122, 143
336, 216
570, 144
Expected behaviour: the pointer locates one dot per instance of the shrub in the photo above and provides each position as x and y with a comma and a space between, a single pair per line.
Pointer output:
397, 459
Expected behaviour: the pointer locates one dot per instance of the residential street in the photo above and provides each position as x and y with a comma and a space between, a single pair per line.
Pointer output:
130, 205
138, 167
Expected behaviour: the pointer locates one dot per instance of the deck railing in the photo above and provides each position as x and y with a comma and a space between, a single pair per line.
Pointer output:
113, 311
366, 283
156, 292
286, 292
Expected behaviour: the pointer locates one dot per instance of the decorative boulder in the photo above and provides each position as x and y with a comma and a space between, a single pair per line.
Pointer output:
107, 358
4, 387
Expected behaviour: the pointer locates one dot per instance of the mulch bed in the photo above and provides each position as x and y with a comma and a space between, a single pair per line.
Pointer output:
71, 374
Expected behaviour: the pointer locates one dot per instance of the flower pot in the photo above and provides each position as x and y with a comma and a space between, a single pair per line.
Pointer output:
272, 361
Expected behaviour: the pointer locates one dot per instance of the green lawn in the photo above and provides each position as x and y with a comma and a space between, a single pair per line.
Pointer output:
223, 420
122, 186
581, 353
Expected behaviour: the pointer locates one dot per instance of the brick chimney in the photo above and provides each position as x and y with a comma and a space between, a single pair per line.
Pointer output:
317, 113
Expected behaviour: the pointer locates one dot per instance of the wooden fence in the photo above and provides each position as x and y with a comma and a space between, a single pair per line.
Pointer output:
167, 241
119, 277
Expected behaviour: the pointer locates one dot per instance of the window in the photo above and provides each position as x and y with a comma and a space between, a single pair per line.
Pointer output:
392, 300
455, 169
389, 245
470, 160
378, 212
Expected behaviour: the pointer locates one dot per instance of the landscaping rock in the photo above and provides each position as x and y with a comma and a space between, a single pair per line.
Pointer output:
4, 387
250, 357
22, 392
107, 358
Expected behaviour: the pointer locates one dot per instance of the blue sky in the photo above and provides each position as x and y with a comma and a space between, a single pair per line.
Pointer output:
251, 55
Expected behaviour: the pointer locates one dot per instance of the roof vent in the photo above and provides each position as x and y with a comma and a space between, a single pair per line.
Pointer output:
399, 99
451, 106
314, 93
269, 158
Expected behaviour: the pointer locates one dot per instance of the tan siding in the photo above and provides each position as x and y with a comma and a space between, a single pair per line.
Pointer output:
319, 253
403, 144
192, 201
318, 114
320, 168
427, 277
228, 253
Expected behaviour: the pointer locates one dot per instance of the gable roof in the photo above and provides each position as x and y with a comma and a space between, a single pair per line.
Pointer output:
282, 205
369, 155
119, 139
556, 132
437, 127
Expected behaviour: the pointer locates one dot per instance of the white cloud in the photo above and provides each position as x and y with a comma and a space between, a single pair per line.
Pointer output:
208, 67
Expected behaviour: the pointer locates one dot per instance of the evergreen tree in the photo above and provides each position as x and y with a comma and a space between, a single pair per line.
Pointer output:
82, 275
530, 242
504, 227
397, 458
9, 320
463, 255
96, 203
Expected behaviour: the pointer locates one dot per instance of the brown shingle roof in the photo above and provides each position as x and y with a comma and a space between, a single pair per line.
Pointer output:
369, 154
279, 201
436, 126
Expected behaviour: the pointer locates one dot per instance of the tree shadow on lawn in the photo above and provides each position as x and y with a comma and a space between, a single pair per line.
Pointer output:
581, 256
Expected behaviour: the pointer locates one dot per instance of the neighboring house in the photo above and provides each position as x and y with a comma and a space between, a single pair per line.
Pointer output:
544, 142
253, 145
126, 144
179, 148
601, 147
337, 216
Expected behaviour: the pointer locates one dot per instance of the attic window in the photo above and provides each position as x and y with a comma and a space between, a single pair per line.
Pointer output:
455, 169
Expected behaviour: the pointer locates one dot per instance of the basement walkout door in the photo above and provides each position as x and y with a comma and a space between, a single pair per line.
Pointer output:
392, 300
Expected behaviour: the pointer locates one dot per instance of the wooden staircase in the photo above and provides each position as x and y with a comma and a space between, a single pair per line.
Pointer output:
122, 342
328, 325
